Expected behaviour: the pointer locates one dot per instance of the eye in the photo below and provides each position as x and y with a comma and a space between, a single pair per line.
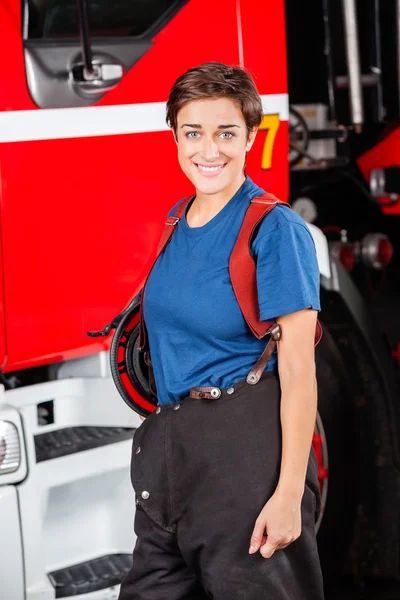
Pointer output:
192, 135
227, 133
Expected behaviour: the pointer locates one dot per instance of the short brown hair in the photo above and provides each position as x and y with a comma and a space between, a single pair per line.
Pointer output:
216, 80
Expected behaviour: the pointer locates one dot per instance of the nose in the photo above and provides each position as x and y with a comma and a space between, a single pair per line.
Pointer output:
210, 149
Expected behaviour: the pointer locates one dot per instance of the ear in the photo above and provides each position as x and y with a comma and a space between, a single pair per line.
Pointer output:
251, 138
175, 137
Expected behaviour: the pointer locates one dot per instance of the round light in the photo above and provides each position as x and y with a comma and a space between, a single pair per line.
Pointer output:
306, 208
10, 450
376, 250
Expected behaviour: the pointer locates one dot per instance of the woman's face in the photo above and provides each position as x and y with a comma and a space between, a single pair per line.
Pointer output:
212, 140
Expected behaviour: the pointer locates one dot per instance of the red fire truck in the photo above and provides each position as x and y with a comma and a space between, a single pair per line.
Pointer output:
88, 173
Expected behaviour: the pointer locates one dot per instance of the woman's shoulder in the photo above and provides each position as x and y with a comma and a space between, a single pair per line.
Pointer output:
285, 231
282, 216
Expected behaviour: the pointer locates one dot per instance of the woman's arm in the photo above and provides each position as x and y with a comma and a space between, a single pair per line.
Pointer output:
296, 366
281, 516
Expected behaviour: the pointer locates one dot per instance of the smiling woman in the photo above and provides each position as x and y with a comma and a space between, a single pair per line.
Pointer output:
214, 124
212, 140
224, 468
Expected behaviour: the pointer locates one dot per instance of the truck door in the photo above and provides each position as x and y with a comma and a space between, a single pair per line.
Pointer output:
88, 167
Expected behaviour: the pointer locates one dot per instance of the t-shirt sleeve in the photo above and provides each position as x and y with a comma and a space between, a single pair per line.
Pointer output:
287, 271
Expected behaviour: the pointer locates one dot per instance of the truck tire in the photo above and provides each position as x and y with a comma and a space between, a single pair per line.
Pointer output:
336, 413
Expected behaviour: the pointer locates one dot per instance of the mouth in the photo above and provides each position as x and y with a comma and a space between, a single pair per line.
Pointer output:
210, 170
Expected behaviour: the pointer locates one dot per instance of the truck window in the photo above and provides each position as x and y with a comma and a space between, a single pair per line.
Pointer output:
121, 32
49, 19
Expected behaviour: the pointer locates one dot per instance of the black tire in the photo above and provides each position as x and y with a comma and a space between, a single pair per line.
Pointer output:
336, 411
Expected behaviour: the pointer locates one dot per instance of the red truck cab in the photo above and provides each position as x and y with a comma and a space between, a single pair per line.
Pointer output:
88, 172
89, 169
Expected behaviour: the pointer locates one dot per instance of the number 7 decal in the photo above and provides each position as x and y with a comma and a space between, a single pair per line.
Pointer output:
271, 124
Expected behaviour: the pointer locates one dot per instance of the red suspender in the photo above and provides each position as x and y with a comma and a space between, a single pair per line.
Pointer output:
169, 230
242, 267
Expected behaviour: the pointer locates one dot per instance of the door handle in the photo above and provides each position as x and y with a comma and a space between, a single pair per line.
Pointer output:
104, 77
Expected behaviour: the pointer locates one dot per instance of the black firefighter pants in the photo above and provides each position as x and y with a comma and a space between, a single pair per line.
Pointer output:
202, 470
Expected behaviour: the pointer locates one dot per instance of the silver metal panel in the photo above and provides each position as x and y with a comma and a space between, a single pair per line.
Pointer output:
11, 563
321, 246
49, 69
353, 62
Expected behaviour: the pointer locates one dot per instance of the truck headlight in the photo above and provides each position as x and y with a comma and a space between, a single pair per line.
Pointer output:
10, 450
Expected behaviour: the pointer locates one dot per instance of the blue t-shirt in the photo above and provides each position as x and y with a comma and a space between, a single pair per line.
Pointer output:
197, 333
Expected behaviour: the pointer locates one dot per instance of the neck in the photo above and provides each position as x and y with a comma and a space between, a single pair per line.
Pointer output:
207, 205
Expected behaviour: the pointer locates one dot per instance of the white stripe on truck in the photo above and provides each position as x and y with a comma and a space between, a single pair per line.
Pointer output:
92, 121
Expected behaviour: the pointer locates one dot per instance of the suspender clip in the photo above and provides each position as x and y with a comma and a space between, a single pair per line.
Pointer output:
172, 221
259, 201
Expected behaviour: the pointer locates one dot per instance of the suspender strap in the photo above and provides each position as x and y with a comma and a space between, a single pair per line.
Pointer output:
169, 230
258, 369
242, 267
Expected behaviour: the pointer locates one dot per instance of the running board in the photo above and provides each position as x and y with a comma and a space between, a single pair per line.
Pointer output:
90, 576
70, 440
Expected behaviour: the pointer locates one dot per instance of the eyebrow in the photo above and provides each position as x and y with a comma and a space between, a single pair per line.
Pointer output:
196, 126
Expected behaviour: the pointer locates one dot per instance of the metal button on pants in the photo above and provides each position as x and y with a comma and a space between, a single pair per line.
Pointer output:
207, 470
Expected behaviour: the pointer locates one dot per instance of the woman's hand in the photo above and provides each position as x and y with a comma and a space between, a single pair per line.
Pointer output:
281, 518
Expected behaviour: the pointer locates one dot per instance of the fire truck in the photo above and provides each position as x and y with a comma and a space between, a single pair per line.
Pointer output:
88, 173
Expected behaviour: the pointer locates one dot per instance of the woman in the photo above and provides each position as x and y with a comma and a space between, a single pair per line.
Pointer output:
226, 490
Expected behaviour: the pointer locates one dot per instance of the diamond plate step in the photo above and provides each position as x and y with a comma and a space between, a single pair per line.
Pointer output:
69, 440
91, 576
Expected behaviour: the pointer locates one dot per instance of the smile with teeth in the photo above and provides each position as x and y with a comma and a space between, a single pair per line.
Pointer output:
210, 170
